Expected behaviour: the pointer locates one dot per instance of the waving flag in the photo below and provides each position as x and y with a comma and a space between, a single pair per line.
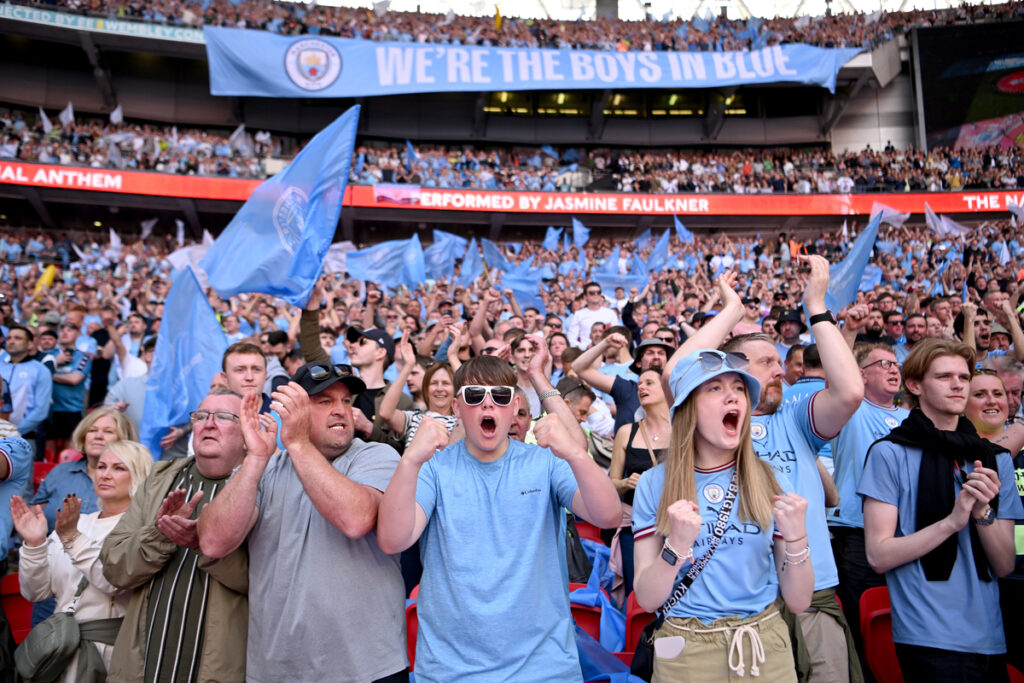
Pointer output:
659, 255
440, 256
551, 238
285, 228
389, 264
846, 276
472, 265
188, 351
684, 235
580, 233
493, 256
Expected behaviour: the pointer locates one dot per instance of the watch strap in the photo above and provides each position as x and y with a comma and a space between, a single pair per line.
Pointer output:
825, 317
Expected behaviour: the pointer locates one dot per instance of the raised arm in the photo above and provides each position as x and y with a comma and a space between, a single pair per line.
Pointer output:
1016, 334
405, 359
479, 330
309, 328
228, 518
539, 372
348, 506
586, 365
400, 519
834, 405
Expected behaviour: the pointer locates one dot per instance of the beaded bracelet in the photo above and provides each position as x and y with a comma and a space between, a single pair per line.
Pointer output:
805, 551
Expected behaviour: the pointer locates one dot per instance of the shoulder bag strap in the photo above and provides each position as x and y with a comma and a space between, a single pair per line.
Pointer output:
698, 566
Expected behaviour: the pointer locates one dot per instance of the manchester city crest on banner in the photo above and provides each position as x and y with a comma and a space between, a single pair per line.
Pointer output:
289, 216
312, 64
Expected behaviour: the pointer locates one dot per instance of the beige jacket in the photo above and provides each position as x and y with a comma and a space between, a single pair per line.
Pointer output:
135, 551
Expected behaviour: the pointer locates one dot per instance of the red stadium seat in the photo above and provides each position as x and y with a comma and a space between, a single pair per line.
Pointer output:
636, 620
1015, 675
39, 472
876, 630
17, 609
411, 627
69, 455
588, 530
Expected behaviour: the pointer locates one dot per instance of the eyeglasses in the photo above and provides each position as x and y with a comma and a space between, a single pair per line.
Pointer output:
592, 292
885, 363
319, 373
668, 340
473, 394
986, 371
221, 417
714, 360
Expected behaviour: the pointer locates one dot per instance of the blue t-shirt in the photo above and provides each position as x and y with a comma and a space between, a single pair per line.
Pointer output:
18, 454
801, 389
961, 614
740, 580
788, 441
869, 424
70, 398
65, 479
494, 601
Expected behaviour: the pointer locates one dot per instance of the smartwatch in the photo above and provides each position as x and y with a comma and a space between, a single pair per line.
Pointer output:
825, 317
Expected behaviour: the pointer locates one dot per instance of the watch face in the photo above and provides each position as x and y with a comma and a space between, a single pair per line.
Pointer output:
669, 556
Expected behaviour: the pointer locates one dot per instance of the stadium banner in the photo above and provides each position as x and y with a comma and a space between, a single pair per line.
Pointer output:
567, 203
260, 64
77, 22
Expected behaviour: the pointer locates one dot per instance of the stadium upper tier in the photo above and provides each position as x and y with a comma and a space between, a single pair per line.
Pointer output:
697, 34
165, 149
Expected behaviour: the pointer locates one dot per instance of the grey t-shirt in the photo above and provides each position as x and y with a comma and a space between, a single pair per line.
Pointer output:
322, 606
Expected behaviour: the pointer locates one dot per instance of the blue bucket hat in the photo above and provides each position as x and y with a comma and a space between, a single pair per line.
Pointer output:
700, 366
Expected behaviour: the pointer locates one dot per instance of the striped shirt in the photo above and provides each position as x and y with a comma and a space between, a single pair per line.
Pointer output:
177, 606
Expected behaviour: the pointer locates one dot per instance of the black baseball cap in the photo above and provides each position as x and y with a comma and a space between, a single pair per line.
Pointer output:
379, 337
316, 376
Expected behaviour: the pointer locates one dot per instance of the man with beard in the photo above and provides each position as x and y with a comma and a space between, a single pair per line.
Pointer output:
914, 329
869, 327
789, 436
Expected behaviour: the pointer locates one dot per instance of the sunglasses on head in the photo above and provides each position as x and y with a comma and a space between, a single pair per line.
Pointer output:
319, 373
473, 394
710, 361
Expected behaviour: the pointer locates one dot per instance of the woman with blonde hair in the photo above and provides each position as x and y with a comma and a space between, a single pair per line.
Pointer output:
65, 564
716, 540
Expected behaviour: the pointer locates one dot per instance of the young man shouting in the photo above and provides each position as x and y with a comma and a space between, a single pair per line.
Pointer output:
488, 514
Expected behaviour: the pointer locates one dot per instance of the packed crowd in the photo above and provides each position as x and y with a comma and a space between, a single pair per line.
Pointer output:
747, 171
143, 147
671, 33
613, 404
164, 149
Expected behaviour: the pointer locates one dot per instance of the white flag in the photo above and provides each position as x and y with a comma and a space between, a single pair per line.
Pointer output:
846, 232
207, 238
67, 116
181, 231
1016, 212
238, 133
115, 240
381, 8
147, 227
448, 18
47, 126
889, 214
117, 116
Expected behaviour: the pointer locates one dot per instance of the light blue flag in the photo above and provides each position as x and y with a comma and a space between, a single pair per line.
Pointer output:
516, 247
357, 167
659, 255
644, 239
871, 278
684, 235
638, 263
524, 269
611, 264
439, 257
472, 266
552, 237
609, 282
549, 150
526, 288
410, 154
413, 268
389, 264
565, 242
277, 242
493, 256
580, 233
188, 352
845, 277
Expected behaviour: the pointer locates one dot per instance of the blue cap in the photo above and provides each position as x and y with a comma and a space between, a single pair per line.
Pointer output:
700, 366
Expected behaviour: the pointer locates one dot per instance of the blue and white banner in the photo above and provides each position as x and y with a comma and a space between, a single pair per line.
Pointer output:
262, 64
